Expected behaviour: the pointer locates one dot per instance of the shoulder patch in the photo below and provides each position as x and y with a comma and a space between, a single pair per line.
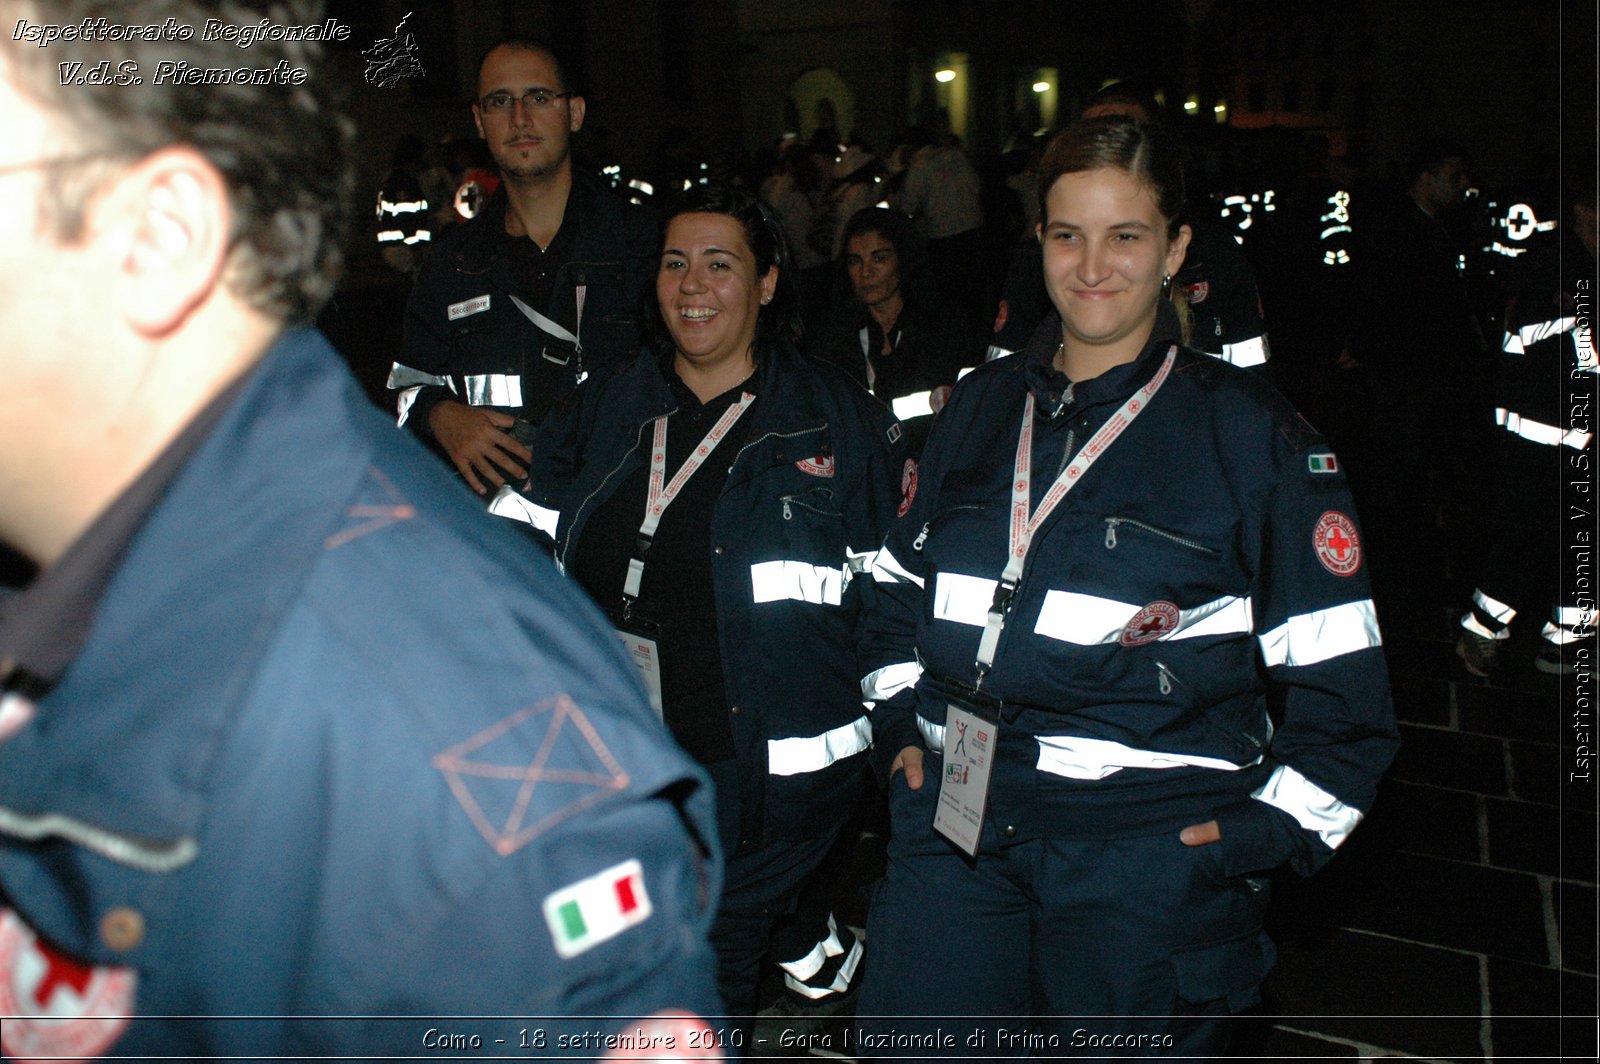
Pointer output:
1337, 544
591, 911
521, 777
895, 432
1322, 463
1198, 291
54, 1006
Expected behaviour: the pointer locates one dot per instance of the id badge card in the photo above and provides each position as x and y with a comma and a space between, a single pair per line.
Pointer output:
969, 742
645, 654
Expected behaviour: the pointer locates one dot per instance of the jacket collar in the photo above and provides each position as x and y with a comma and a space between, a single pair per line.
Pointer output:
1049, 386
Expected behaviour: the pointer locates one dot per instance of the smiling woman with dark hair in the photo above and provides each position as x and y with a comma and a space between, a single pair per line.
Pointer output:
721, 497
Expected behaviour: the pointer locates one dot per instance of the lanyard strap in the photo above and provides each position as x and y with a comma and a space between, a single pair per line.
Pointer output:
661, 492
1023, 526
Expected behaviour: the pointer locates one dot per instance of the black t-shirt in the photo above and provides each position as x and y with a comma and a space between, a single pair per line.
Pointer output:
677, 602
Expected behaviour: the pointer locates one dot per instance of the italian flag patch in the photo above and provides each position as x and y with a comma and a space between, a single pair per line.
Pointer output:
593, 910
1323, 463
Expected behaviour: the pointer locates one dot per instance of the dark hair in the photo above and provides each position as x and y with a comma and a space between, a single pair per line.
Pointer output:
1146, 152
284, 150
529, 44
779, 320
1127, 94
1428, 156
897, 229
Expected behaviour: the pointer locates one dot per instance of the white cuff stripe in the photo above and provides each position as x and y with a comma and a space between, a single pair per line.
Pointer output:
813, 753
880, 685
510, 504
1493, 607
1312, 807
494, 389
1309, 638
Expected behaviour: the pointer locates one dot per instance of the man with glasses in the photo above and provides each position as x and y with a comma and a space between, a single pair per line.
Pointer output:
301, 755
542, 287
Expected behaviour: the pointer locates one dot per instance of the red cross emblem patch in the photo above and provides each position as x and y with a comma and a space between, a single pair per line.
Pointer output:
54, 1006
908, 485
1337, 545
820, 466
1150, 624
1199, 291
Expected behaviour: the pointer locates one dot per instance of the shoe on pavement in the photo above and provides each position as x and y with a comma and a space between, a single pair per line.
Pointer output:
1477, 653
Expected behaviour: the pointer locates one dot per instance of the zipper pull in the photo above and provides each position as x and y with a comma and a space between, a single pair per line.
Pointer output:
1111, 534
922, 537
1163, 678
788, 514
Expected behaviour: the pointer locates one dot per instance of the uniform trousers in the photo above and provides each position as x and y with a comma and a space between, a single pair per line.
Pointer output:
1053, 946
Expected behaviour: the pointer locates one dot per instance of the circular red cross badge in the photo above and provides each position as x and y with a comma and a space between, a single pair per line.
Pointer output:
1337, 544
1150, 624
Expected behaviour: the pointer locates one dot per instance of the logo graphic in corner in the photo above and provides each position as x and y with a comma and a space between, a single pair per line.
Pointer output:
1198, 291
55, 1006
820, 466
908, 485
1337, 544
593, 910
1150, 624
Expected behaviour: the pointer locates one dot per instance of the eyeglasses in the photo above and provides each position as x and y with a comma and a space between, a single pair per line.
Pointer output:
534, 100
57, 160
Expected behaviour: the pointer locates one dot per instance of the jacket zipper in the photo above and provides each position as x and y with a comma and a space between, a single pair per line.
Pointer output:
1111, 535
153, 857
587, 499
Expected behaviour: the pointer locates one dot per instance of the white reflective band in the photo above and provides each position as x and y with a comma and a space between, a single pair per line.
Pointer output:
1251, 352
402, 376
419, 236
390, 236
1312, 807
964, 370
494, 389
403, 403
1538, 431
1087, 620
886, 569
1552, 633
917, 404
995, 351
932, 734
813, 753
880, 685
841, 979
402, 206
507, 502
1470, 622
866, 358
1493, 607
1308, 638
812, 962
1517, 343
1572, 616
963, 599
797, 581
1080, 758
858, 562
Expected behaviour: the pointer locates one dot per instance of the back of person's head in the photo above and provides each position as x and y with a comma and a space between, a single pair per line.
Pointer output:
1127, 98
763, 232
282, 149
1428, 157
1148, 153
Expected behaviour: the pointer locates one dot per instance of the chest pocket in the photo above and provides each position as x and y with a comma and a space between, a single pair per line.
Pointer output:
810, 550
1143, 560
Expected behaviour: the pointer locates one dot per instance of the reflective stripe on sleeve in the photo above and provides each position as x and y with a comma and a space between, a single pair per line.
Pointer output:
886, 569
1080, 758
880, 685
1251, 352
932, 734
403, 376
1538, 431
1517, 343
1087, 620
494, 389
1572, 616
795, 973
813, 753
963, 599
1556, 634
1308, 638
1312, 807
1470, 622
402, 206
996, 351
917, 404
508, 503
797, 581
403, 403
1493, 607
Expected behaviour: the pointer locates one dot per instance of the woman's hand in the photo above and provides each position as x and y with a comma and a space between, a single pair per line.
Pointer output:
910, 759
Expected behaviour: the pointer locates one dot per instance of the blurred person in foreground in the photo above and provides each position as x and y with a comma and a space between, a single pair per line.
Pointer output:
297, 747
